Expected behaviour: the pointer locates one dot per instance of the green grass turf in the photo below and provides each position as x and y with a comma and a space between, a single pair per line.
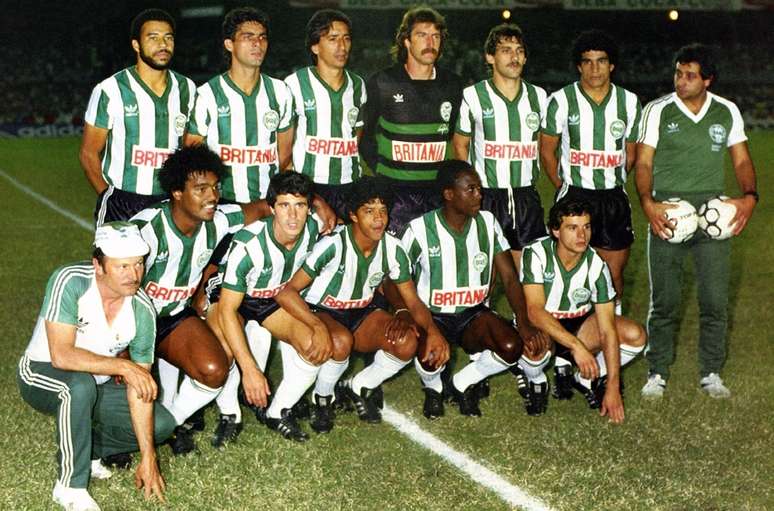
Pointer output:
685, 452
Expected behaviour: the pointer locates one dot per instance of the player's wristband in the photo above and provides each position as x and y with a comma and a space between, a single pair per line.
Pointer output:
753, 194
399, 311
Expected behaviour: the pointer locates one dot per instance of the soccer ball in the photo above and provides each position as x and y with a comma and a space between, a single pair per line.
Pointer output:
684, 218
715, 216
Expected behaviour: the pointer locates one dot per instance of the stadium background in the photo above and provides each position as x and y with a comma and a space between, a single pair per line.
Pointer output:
685, 453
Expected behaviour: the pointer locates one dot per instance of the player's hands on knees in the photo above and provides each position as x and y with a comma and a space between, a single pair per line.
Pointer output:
536, 341
744, 210
612, 405
587, 364
659, 224
321, 347
148, 478
256, 387
401, 324
200, 303
140, 379
437, 350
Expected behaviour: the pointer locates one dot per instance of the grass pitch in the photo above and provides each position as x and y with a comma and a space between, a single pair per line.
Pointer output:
685, 452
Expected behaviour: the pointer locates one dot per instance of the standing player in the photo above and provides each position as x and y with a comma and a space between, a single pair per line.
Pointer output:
339, 281
243, 114
328, 101
134, 120
90, 313
262, 258
597, 123
570, 296
455, 250
680, 153
501, 116
182, 233
411, 111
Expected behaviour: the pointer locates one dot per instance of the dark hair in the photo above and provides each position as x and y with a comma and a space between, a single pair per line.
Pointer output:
291, 182
149, 15
594, 40
319, 24
365, 190
449, 171
186, 161
702, 55
234, 18
566, 207
503, 31
421, 14
99, 255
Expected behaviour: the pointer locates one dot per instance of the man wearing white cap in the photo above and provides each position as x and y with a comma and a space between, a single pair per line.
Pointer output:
91, 312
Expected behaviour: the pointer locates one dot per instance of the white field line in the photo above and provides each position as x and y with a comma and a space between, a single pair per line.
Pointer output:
508, 492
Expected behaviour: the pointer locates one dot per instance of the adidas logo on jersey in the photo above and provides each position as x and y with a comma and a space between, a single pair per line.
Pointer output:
131, 110
673, 127
82, 324
574, 120
398, 98
488, 113
162, 256
224, 111
266, 270
434, 251
341, 269
309, 104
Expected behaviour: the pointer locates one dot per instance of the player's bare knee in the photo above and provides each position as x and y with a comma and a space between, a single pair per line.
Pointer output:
212, 373
342, 345
635, 335
404, 348
509, 350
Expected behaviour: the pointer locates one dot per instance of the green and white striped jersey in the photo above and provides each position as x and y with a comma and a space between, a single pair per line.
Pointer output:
344, 278
453, 271
143, 128
325, 145
72, 298
504, 133
593, 147
258, 266
690, 147
243, 130
569, 293
174, 266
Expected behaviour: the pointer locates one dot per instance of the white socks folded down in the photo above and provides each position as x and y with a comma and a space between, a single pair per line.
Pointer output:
383, 367
191, 396
297, 376
533, 369
482, 365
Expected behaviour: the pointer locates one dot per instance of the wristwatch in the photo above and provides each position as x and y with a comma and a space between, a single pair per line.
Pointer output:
754, 195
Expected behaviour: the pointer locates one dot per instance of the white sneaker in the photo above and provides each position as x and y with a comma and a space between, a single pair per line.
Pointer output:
74, 499
100, 471
654, 387
713, 386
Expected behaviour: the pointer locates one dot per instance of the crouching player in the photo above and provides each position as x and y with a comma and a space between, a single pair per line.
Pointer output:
455, 250
261, 259
339, 281
570, 296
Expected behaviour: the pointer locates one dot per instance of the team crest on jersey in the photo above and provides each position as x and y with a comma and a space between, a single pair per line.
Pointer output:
271, 120
580, 295
434, 251
548, 276
617, 128
309, 105
375, 279
673, 127
480, 261
488, 113
352, 115
203, 258
131, 110
180, 124
717, 133
532, 121
573, 120
446, 109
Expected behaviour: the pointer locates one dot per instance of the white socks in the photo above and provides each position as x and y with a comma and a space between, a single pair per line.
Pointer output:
431, 380
298, 375
227, 400
629, 353
169, 376
533, 369
259, 341
383, 367
329, 374
487, 364
192, 396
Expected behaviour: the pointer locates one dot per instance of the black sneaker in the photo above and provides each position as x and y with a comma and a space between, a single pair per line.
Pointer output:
301, 410
228, 430
196, 421
482, 389
563, 382
599, 386
433, 407
366, 404
537, 402
590, 394
321, 414
182, 441
467, 401
287, 426
121, 461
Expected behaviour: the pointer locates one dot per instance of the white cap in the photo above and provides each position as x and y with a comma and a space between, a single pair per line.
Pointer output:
120, 239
